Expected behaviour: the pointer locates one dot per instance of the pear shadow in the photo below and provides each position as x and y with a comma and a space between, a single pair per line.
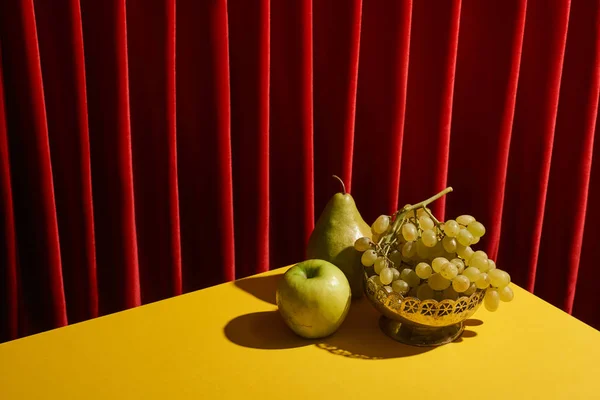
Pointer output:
261, 287
360, 337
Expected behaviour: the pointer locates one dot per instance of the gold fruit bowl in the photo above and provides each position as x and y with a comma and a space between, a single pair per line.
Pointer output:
421, 322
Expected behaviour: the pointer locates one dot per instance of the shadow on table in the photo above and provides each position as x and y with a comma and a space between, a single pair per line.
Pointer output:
359, 336
261, 287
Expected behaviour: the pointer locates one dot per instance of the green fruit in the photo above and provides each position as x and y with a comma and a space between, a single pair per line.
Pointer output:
336, 230
313, 298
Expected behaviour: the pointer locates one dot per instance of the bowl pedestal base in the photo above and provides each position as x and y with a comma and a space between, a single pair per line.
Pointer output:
416, 335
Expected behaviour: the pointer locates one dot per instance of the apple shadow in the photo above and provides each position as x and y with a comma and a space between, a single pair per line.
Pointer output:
261, 287
263, 330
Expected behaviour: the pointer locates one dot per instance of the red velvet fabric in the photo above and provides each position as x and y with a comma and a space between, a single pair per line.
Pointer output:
149, 148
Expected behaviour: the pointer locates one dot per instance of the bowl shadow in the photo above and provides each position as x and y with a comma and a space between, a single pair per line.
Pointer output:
359, 336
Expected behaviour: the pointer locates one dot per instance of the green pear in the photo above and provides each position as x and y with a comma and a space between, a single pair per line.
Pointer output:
338, 227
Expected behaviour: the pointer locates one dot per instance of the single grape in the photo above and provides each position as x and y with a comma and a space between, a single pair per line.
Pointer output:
476, 228
411, 293
475, 240
438, 263
438, 282
506, 294
404, 274
471, 290
491, 300
388, 289
451, 228
376, 237
395, 258
449, 271
437, 250
483, 281
480, 253
499, 278
460, 265
472, 273
429, 238
464, 237
380, 264
479, 262
409, 232
368, 258
409, 249
400, 286
491, 264
464, 252
421, 213
424, 252
449, 244
362, 244
396, 274
386, 276
424, 292
413, 279
426, 222
423, 270
376, 280
465, 219
450, 293
381, 224
461, 283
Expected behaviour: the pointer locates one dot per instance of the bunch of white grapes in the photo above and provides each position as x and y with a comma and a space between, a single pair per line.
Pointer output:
415, 255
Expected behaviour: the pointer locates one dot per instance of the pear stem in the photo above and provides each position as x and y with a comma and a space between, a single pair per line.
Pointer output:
342, 182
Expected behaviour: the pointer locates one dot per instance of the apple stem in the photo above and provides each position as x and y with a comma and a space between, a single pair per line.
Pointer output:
342, 182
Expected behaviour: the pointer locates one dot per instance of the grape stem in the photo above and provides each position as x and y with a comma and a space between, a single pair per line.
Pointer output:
385, 241
437, 222
424, 203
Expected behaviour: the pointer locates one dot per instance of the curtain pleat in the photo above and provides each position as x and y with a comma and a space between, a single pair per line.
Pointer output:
336, 65
152, 148
9, 292
203, 144
40, 268
291, 130
380, 105
434, 44
107, 78
62, 61
249, 26
533, 135
487, 75
152, 95
569, 179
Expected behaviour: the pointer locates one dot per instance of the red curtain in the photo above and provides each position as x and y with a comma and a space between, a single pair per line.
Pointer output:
154, 147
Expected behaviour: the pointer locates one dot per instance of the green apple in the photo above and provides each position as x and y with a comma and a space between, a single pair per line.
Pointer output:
313, 298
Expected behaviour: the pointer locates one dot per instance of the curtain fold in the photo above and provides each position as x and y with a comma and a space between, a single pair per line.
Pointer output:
152, 148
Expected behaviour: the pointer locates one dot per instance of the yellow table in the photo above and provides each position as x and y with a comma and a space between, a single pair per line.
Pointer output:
228, 341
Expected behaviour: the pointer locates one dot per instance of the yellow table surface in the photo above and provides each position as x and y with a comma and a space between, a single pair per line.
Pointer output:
228, 341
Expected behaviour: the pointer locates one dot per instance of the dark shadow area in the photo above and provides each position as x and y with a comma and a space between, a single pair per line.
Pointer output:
263, 330
466, 334
261, 287
358, 337
472, 322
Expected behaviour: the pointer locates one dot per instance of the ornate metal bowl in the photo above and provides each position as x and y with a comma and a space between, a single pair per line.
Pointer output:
421, 322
